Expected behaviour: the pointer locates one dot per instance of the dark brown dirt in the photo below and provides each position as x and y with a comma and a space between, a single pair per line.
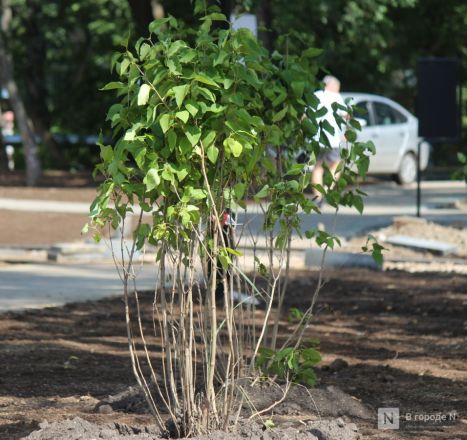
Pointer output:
401, 338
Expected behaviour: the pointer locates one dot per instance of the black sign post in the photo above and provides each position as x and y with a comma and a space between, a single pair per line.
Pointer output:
438, 105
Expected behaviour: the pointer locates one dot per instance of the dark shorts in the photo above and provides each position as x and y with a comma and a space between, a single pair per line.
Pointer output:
330, 156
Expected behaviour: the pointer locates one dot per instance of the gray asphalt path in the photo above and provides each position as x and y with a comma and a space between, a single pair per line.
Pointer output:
385, 200
40, 285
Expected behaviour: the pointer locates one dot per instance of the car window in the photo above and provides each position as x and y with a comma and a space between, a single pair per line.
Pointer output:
399, 117
363, 111
387, 115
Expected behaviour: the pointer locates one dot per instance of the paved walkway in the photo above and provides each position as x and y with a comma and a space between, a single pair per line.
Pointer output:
43, 285
40, 285
385, 200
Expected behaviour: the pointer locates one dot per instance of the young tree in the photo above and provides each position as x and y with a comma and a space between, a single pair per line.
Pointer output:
205, 117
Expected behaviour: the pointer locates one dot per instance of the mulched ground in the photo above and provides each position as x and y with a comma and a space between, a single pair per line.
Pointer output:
400, 339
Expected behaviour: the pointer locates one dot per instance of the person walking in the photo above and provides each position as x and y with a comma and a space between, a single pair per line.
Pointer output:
330, 156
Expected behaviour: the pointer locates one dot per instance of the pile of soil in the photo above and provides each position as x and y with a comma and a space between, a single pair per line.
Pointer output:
418, 228
416, 260
388, 339
78, 428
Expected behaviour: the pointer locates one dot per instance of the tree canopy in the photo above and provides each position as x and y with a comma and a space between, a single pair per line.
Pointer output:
61, 50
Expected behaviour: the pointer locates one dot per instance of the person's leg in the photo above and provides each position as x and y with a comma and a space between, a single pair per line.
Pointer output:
317, 178
332, 169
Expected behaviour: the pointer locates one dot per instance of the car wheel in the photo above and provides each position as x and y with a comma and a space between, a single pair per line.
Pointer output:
407, 169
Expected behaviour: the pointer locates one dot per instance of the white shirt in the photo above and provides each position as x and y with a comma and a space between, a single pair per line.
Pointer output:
326, 99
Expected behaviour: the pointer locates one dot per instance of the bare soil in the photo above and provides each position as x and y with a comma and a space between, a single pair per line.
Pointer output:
389, 339
19, 228
35, 229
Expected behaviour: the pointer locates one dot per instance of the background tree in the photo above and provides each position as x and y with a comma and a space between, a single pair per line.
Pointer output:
61, 51
7, 80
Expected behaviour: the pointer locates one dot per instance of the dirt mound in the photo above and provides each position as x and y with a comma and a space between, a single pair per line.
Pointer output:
417, 228
78, 428
322, 402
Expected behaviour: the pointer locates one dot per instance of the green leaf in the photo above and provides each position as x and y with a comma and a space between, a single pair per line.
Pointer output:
187, 56
107, 153
174, 67
113, 85
207, 93
172, 139
221, 57
183, 116
124, 66
362, 165
280, 99
198, 194
263, 192
212, 153
143, 94
130, 135
357, 201
155, 25
165, 122
215, 16
175, 47
239, 190
280, 115
192, 107
167, 173
298, 88
228, 83
201, 77
144, 50
209, 139
182, 173
312, 52
185, 146
152, 179
193, 134
180, 92
234, 146
310, 355
351, 136
225, 260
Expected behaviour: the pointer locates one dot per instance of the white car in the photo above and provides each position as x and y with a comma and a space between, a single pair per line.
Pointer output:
394, 131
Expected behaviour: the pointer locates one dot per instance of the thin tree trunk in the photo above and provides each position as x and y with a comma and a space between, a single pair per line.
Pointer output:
35, 91
265, 29
31, 150
3, 157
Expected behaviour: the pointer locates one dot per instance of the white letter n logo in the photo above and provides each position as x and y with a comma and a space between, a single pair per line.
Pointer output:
388, 418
